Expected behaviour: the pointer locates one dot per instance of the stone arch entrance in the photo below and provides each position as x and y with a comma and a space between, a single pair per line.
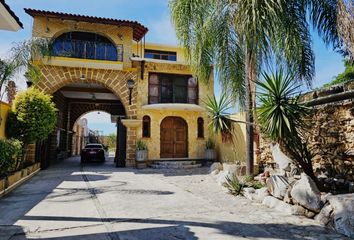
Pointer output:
76, 91
56, 77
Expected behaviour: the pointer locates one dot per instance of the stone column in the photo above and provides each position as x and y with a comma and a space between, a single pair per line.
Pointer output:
132, 125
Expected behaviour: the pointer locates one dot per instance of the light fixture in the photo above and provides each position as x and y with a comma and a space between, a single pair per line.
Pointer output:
47, 29
120, 36
82, 77
130, 86
93, 97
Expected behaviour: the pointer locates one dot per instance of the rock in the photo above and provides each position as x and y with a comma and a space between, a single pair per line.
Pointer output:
237, 170
261, 194
221, 177
298, 210
343, 213
309, 214
324, 217
277, 186
215, 172
215, 166
250, 193
305, 193
277, 204
287, 197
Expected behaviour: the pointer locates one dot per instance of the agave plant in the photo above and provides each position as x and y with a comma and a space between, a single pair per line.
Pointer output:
218, 110
280, 117
280, 114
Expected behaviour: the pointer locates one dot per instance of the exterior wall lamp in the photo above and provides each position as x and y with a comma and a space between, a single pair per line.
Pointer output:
130, 86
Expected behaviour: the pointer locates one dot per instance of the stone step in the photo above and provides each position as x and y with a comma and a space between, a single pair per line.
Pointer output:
174, 165
170, 163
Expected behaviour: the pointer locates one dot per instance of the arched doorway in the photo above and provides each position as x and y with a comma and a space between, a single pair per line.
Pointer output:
173, 138
72, 101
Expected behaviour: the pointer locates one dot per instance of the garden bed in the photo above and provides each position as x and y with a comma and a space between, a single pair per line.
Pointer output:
17, 178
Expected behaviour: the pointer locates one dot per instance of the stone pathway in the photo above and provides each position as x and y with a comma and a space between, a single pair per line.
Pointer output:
101, 202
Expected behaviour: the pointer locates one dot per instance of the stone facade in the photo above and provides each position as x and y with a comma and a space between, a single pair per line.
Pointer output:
331, 132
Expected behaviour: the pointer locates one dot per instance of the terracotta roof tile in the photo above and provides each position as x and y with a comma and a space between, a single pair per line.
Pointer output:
139, 30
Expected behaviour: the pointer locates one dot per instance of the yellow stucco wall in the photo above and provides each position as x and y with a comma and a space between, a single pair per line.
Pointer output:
236, 151
196, 146
4, 109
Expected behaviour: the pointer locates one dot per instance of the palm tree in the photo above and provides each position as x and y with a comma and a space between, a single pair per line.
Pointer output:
21, 59
240, 38
346, 23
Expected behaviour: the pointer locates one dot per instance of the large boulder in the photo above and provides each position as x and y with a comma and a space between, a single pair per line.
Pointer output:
343, 213
215, 167
277, 186
222, 177
305, 193
277, 204
237, 170
261, 194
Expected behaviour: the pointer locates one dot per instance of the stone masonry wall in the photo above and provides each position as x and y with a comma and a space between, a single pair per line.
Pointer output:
331, 132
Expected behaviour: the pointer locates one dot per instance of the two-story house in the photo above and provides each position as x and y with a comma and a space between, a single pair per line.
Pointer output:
105, 64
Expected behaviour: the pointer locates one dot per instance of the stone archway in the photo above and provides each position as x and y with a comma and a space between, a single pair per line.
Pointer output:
55, 77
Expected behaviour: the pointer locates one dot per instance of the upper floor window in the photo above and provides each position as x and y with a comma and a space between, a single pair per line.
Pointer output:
172, 88
161, 55
88, 46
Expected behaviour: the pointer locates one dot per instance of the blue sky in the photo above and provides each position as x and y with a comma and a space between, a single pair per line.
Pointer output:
152, 13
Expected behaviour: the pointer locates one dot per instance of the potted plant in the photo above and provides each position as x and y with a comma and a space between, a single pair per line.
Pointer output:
141, 151
210, 153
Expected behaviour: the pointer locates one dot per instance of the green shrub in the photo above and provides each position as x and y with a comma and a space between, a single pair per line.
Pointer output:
9, 150
31, 119
233, 185
140, 145
33, 116
210, 144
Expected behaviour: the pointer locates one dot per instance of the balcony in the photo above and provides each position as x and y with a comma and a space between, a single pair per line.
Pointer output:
82, 49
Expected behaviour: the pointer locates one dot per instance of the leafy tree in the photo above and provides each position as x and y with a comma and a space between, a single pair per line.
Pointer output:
345, 76
32, 117
240, 38
281, 118
9, 149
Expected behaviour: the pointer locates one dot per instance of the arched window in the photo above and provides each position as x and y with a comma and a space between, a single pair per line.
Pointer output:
146, 126
88, 46
200, 122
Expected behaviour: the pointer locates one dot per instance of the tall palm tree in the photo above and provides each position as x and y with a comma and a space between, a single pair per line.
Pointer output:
240, 38
346, 23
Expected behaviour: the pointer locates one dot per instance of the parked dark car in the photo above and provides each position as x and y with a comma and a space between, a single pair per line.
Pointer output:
93, 152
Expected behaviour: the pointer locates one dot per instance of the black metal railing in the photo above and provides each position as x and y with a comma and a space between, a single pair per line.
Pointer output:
88, 50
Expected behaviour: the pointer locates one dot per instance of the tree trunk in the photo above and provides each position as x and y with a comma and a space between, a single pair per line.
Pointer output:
251, 77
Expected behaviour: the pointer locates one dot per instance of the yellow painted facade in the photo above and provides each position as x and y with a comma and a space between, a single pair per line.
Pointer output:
4, 110
61, 71
229, 151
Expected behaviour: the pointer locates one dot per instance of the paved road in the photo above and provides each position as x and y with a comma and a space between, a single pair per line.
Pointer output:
98, 201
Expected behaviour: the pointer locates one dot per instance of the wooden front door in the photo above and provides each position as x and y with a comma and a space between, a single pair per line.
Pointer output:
173, 138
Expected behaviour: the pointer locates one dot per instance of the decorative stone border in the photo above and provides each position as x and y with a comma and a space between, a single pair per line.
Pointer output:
17, 178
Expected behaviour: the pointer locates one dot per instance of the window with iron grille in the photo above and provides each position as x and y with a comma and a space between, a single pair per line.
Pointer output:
88, 46
172, 88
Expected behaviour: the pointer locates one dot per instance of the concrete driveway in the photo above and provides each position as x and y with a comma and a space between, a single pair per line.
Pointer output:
98, 201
